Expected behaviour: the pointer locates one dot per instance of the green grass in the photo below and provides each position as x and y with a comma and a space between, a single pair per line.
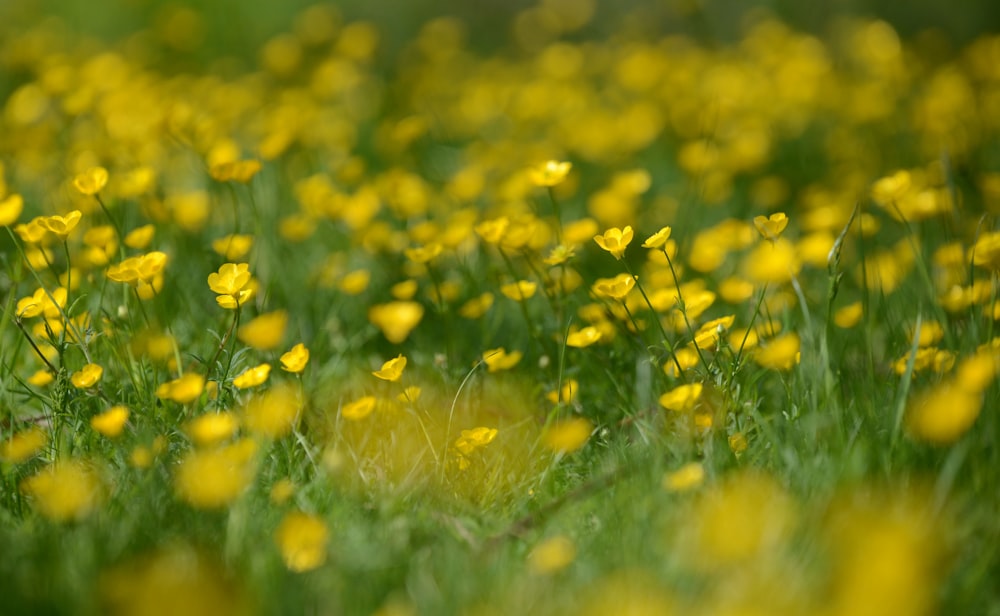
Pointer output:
797, 464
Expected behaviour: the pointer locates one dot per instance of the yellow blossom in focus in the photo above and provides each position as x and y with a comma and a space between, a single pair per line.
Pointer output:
392, 370
264, 332
23, 445
615, 240
214, 478
63, 491
252, 377
88, 376
549, 173
499, 359
770, 227
10, 209
552, 555
295, 359
658, 239
567, 435
61, 226
684, 479
91, 181
274, 413
302, 540
358, 409
182, 390
111, 422
232, 284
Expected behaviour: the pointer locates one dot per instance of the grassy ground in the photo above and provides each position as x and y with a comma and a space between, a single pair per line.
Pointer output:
586, 311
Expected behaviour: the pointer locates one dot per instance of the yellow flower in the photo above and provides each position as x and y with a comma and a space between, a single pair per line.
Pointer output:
252, 377
584, 337
214, 478
558, 255
396, 319
266, 331
182, 390
232, 284
281, 491
63, 491
520, 290
359, 409
616, 288
212, 428
476, 307
41, 378
552, 555
111, 422
943, 414
615, 240
682, 398
32, 232
302, 540
392, 370
890, 189
295, 360
140, 237
477, 438
849, 316
41, 303
549, 173
424, 254
566, 393
770, 227
658, 239
737, 443
493, 231
91, 181
234, 246
236, 171
23, 445
88, 376
567, 435
10, 209
61, 226
772, 262
273, 413
499, 359
781, 353
135, 270
685, 478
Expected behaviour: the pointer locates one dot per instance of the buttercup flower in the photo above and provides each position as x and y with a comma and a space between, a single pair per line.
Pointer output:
392, 370
88, 376
770, 227
302, 540
549, 173
499, 359
10, 209
232, 284
61, 226
358, 409
615, 240
658, 239
111, 422
91, 181
252, 377
295, 360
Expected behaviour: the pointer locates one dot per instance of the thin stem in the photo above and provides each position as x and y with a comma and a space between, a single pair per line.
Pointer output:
223, 341
659, 324
20, 326
680, 303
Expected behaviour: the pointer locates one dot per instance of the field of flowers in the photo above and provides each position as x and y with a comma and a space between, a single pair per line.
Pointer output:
605, 320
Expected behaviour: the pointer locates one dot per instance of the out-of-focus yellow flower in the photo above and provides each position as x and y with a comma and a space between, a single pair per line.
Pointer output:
520, 290
140, 237
549, 173
781, 353
684, 479
212, 428
476, 438
63, 491
658, 239
232, 247
23, 445
282, 490
302, 540
396, 319
849, 316
358, 409
10, 209
737, 443
61, 226
499, 359
616, 288
477, 306
615, 240
214, 478
40, 378
583, 337
266, 331
682, 398
273, 413
235, 171
392, 370
567, 435
295, 359
493, 231
424, 254
91, 181
943, 414
552, 555
86, 377
182, 390
566, 394
111, 422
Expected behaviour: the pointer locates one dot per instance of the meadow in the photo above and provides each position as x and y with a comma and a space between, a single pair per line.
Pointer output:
566, 310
